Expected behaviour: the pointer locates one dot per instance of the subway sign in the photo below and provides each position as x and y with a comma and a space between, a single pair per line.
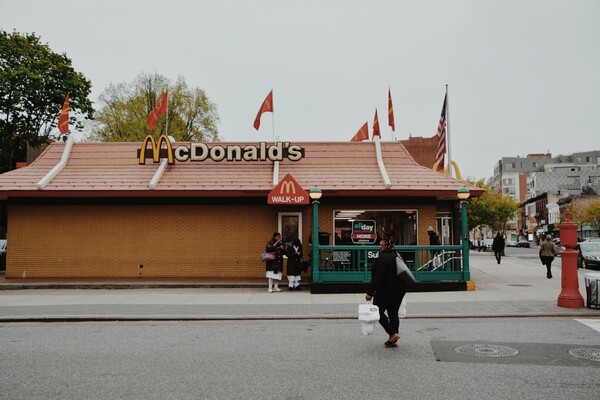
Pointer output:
199, 151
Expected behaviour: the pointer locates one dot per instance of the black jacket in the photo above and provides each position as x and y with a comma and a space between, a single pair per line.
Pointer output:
294, 259
384, 278
275, 265
498, 243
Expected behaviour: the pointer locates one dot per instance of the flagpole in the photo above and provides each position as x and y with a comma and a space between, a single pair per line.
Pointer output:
273, 119
167, 116
448, 133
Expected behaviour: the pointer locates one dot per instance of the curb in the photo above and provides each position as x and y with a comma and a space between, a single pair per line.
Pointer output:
192, 318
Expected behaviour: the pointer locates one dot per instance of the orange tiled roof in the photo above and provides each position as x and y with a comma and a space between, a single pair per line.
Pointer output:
110, 169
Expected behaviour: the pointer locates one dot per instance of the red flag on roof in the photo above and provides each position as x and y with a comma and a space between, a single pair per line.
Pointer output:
267, 106
391, 111
376, 131
162, 106
362, 134
441, 136
63, 119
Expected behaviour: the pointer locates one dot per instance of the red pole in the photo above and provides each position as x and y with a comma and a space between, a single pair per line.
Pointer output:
569, 296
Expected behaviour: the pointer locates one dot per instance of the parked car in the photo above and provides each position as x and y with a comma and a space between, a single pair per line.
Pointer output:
511, 243
557, 246
487, 244
523, 243
589, 254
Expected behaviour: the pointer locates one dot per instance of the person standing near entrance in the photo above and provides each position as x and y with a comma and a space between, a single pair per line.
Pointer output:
275, 266
498, 246
294, 256
387, 290
547, 254
434, 240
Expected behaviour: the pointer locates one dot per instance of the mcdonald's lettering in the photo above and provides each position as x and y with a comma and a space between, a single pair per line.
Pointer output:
202, 152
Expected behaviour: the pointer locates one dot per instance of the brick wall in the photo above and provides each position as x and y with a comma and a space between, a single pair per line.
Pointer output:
168, 240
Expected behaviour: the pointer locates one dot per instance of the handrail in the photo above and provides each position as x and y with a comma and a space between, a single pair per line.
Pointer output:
275, 173
384, 175
161, 168
58, 167
355, 266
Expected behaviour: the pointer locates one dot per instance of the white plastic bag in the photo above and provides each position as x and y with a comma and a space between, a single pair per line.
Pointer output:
402, 309
367, 327
368, 312
368, 315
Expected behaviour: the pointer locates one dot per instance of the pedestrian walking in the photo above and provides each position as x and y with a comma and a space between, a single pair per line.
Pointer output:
275, 267
498, 246
387, 290
547, 254
294, 256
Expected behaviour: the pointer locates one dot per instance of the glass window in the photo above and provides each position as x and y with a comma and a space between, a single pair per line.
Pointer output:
400, 225
290, 226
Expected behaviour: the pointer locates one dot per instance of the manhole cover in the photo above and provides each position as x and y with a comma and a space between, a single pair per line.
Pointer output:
587, 354
486, 350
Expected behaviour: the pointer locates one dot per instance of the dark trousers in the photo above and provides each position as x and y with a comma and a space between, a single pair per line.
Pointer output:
390, 302
498, 254
547, 261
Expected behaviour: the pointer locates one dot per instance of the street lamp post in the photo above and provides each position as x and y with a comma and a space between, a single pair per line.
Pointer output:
463, 195
315, 194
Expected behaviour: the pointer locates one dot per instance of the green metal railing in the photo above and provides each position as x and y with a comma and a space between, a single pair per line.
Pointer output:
354, 263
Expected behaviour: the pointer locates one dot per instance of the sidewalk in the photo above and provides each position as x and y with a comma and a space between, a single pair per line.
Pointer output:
516, 288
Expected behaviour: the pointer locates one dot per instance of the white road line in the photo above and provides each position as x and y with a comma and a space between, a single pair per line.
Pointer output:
592, 323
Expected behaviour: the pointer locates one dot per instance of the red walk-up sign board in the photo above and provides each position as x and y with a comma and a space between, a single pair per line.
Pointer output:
288, 191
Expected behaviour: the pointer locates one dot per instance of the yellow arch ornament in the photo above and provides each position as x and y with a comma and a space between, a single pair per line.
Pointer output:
454, 165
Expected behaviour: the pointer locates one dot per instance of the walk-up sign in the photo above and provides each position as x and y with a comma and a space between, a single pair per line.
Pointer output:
288, 191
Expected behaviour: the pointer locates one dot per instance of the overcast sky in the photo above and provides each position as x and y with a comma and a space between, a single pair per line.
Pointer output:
523, 75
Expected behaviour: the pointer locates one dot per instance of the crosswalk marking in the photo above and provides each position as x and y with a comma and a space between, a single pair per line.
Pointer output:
592, 323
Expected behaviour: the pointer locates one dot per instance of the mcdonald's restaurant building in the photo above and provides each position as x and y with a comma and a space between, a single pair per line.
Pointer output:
206, 210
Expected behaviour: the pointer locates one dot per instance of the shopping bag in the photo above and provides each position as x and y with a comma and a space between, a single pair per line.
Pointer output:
403, 271
402, 309
368, 312
304, 266
368, 315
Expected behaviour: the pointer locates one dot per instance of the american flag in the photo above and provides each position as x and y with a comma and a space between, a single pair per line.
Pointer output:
441, 135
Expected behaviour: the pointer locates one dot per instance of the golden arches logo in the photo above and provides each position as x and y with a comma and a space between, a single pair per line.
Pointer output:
156, 149
454, 165
288, 187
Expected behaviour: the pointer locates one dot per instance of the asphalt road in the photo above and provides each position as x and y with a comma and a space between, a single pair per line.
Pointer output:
308, 359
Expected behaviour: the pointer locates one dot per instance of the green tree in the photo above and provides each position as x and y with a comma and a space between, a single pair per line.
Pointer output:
33, 84
490, 209
586, 211
125, 107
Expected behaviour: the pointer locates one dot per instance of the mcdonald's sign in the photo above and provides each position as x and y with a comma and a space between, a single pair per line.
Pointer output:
157, 152
288, 191
202, 151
